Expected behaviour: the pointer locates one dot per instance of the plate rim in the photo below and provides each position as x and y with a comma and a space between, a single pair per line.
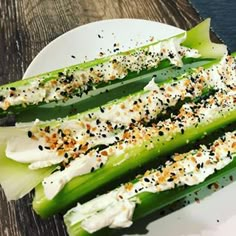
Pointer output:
60, 37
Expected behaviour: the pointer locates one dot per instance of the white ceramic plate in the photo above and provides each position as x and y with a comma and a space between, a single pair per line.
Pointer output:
87, 41
216, 214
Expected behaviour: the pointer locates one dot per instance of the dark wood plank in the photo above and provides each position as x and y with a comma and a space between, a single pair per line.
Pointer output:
25, 28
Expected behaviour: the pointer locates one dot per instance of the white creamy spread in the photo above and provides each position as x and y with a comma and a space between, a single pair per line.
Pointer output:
73, 82
68, 140
102, 127
80, 166
190, 115
83, 165
16, 150
174, 50
189, 169
117, 213
151, 86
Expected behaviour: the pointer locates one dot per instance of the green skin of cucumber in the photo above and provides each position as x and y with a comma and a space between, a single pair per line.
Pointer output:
197, 37
88, 185
152, 202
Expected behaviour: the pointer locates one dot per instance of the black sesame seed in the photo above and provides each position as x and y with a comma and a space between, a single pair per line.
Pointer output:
64, 94
92, 169
161, 133
211, 153
13, 88
161, 102
171, 55
170, 180
101, 109
146, 179
40, 147
122, 127
47, 129
30, 134
1, 98
98, 122
198, 165
87, 131
108, 122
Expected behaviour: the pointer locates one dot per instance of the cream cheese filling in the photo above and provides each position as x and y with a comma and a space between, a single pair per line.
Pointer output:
117, 67
184, 169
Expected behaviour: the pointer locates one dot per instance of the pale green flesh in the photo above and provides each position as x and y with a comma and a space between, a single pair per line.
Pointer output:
17, 179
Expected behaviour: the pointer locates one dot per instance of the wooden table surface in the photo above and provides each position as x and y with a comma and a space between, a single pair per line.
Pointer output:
28, 26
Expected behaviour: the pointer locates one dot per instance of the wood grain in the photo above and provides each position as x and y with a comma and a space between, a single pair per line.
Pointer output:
26, 27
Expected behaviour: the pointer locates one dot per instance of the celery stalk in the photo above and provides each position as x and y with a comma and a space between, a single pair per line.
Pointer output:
152, 202
205, 46
124, 164
22, 169
17, 179
103, 95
